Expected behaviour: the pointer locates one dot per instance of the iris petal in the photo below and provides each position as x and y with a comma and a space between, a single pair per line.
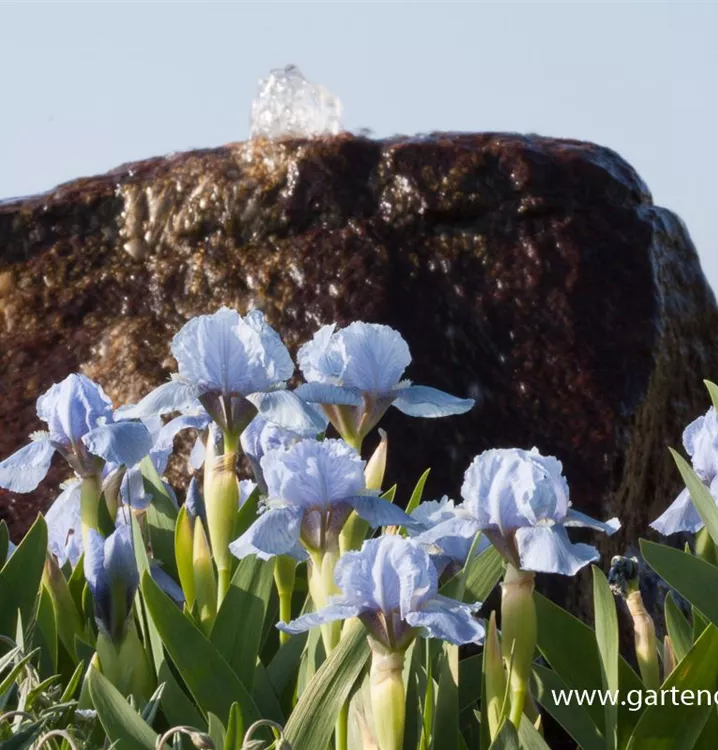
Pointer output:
177, 395
447, 620
378, 512
331, 613
64, 525
547, 549
120, 443
288, 410
681, 515
423, 401
326, 393
275, 532
26, 468
576, 518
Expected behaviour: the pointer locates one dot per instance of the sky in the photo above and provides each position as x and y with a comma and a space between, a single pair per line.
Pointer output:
86, 87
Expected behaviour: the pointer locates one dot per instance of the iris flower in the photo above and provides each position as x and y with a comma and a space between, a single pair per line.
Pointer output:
391, 585
447, 552
312, 488
356, 374
520, 500
81, 428
233, 366
700, 439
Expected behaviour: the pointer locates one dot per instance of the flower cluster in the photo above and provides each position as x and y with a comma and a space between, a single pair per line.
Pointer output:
313, 499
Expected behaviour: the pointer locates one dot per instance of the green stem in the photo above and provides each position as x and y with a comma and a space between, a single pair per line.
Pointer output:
90, 493
341, 730
285, 615
518, 615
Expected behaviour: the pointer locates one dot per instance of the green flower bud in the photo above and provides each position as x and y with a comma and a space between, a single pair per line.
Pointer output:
205, 581
221, 497
184, 545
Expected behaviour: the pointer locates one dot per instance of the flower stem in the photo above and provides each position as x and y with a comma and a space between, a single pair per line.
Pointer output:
519, 634
341, 730
644, 633
285, 569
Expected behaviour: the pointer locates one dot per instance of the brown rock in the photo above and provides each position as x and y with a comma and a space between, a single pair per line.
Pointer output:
531, 273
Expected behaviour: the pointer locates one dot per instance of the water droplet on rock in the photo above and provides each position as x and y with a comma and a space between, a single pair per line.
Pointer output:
287, 104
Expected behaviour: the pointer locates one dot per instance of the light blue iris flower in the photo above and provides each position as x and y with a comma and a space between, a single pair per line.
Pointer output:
81, 428
112, 576
312, 488
392, 586
520, 500
233, 366
356, 374
262, 436
700, 439
448, 552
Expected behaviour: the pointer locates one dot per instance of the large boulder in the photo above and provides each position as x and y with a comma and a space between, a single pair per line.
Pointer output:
533, 274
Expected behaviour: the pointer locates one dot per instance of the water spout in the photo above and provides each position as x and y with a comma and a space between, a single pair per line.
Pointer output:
287, 105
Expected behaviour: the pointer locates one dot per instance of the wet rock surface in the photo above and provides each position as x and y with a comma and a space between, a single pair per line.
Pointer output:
530, 273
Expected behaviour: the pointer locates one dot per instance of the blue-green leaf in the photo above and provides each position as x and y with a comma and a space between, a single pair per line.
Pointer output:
20, 578
573, 717
607, 641
237, 631
209, 678
679, 629
694, 579
120, 721
311, 724
678, 727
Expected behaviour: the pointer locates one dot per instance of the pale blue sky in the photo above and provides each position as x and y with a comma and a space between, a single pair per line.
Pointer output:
87, 87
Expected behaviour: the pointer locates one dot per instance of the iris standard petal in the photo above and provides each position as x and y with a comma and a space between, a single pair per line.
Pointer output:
576, 518
26, 468
326, 393
378, 512
547, 549
287, 410
331, 613
448, 620
177, 395
681, 515
275, 532
389, 573
377, 356
120, 442
64, 525
323, 359
227, 353
314, 473
73, 407
423, 401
